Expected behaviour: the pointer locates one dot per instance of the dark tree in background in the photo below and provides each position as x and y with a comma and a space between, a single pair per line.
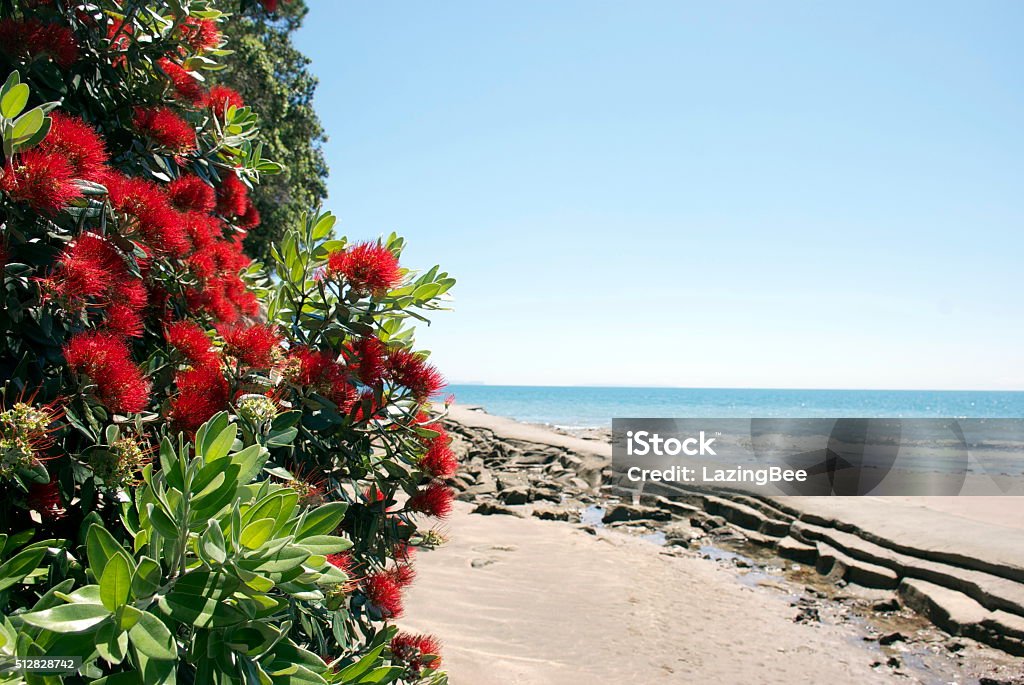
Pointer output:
273, 78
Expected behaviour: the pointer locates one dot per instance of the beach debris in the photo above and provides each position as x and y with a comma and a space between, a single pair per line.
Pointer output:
554, 514
681, 534
490, 508
635, 512
516, 495
890, 638
886, 605
807, 614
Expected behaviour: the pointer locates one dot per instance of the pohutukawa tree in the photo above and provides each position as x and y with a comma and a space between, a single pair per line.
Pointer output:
206, 475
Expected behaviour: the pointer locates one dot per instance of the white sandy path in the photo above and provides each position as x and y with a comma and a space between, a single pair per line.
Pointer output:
556, 606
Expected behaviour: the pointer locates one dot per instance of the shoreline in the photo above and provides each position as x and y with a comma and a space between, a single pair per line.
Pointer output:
813, 567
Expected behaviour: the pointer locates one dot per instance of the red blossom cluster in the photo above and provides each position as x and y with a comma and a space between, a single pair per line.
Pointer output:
409, 370
92, 273
165, 128
200, 34
78, 143
323, 373
383, 589
366, 267
105, 358
44, 180
31, 39
410, 649
186, 86
367, 357
202, 392
439, 461
255, 345
222, 97
433, 500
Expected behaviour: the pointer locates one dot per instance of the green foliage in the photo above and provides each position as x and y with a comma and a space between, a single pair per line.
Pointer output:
273, 77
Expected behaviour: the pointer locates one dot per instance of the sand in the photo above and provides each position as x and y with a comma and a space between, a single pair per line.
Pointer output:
545, 603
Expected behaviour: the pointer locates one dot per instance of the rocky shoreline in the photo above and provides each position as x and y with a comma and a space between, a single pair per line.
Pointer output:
919, 614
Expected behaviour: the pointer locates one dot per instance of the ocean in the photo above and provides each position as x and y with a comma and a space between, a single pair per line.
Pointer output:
592, 407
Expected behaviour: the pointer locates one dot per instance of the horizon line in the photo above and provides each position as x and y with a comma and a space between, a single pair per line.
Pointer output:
689, 387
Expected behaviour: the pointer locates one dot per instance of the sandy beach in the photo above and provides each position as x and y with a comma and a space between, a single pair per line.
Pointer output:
520, 600
540, 602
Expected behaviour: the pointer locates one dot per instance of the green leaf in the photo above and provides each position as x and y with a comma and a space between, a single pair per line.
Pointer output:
323, 520
213, 544
384, 674
15, 569
359, 668
257, 533
220, 445
14, 101
151, 637
116, 582
147, 578
35, 138
27, 125
162, 522
325, 544
250, 461
112, 643
100, 546
68, 618
209, 431
323, 226
289, 558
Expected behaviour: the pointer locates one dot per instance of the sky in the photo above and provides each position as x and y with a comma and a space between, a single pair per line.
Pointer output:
666, 193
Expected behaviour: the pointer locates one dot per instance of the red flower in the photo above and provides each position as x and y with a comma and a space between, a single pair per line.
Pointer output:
105, 359
222, 97
409, 649
252, 345
124, 320
342, 560
78, 143
202, 392
404, 575
409, 370
45, 180
232, 196
366, 267
384, 593
321, 372
86, 269
368, 359
200, 34
186, 86
32, 38
433, 500
191, 341
189, 193
439, 461
160, 227
250, 218
45, 499
165, 128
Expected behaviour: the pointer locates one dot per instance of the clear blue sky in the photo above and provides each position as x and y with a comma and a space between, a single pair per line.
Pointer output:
741, 194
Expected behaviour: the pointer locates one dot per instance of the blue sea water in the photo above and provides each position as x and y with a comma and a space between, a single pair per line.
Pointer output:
590, 407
